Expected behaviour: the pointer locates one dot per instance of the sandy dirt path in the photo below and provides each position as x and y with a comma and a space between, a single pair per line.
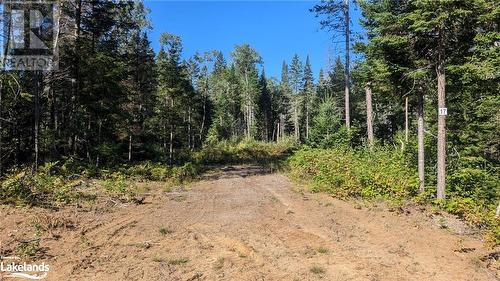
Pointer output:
243, 224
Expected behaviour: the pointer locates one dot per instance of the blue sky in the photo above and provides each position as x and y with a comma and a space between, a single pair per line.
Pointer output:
276, 29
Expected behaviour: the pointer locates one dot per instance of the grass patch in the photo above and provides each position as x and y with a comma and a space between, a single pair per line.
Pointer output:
29, 249
165, 231
317, 269
158, 259
242, 255
178, 261
323, 250
219, 264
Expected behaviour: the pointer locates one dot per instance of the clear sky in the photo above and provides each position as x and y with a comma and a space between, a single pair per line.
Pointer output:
276, 29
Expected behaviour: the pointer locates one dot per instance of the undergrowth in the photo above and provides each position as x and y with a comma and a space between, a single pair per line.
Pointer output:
472, 193
245, 152
63, 182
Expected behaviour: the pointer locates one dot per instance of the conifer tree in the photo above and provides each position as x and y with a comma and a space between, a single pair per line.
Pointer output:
245, 59
296, 77
308, 96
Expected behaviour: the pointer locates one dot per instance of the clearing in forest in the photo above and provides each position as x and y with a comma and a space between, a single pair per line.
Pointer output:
242, 223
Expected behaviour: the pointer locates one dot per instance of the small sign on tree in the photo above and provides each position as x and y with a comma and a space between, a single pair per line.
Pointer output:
443, 111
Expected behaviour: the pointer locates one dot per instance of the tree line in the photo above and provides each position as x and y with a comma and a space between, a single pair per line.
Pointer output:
430, 60
113, 99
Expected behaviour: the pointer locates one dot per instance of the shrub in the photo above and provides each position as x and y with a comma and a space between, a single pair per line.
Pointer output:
248, 151
148, 171
41, 188
344, 172
116, 183
472, 189
185, 172
493, 234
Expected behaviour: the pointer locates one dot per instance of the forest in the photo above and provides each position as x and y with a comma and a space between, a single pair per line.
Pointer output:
408, 112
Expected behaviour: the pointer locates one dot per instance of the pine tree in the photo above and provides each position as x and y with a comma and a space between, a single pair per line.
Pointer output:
174, 92
308, 96
296, 77
265, 110
245, 60
338, 21
327, 130
285, 107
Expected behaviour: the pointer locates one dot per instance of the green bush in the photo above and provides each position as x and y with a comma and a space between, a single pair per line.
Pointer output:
147, 171
44, 187
185, 173
472, 188
493, 233
248, 151
117, 183
348, 173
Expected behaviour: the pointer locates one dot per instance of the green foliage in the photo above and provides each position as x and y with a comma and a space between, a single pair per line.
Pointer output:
493, 234
42, 188
317, 269
346, 173
117, 183
185, 172
248, 151
473, 189
327, 130
148, 171
29, 249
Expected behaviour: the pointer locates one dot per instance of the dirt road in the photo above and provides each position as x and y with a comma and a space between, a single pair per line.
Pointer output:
243, 224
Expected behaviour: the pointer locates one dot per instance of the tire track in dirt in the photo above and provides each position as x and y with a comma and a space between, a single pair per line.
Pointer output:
245, 224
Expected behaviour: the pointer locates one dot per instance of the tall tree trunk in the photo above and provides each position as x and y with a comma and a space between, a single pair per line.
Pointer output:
369, 115
4, 52
165, 138
296, 122
189, 127
282, 126
171, 145
202, 127
307, 122
1, 128
278, 135
86, 138
406, 119
441, 136
276, 132
421, 142
346, 72
247, 105
75, 83
497, 214
130, 148
36, 128
99, 132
